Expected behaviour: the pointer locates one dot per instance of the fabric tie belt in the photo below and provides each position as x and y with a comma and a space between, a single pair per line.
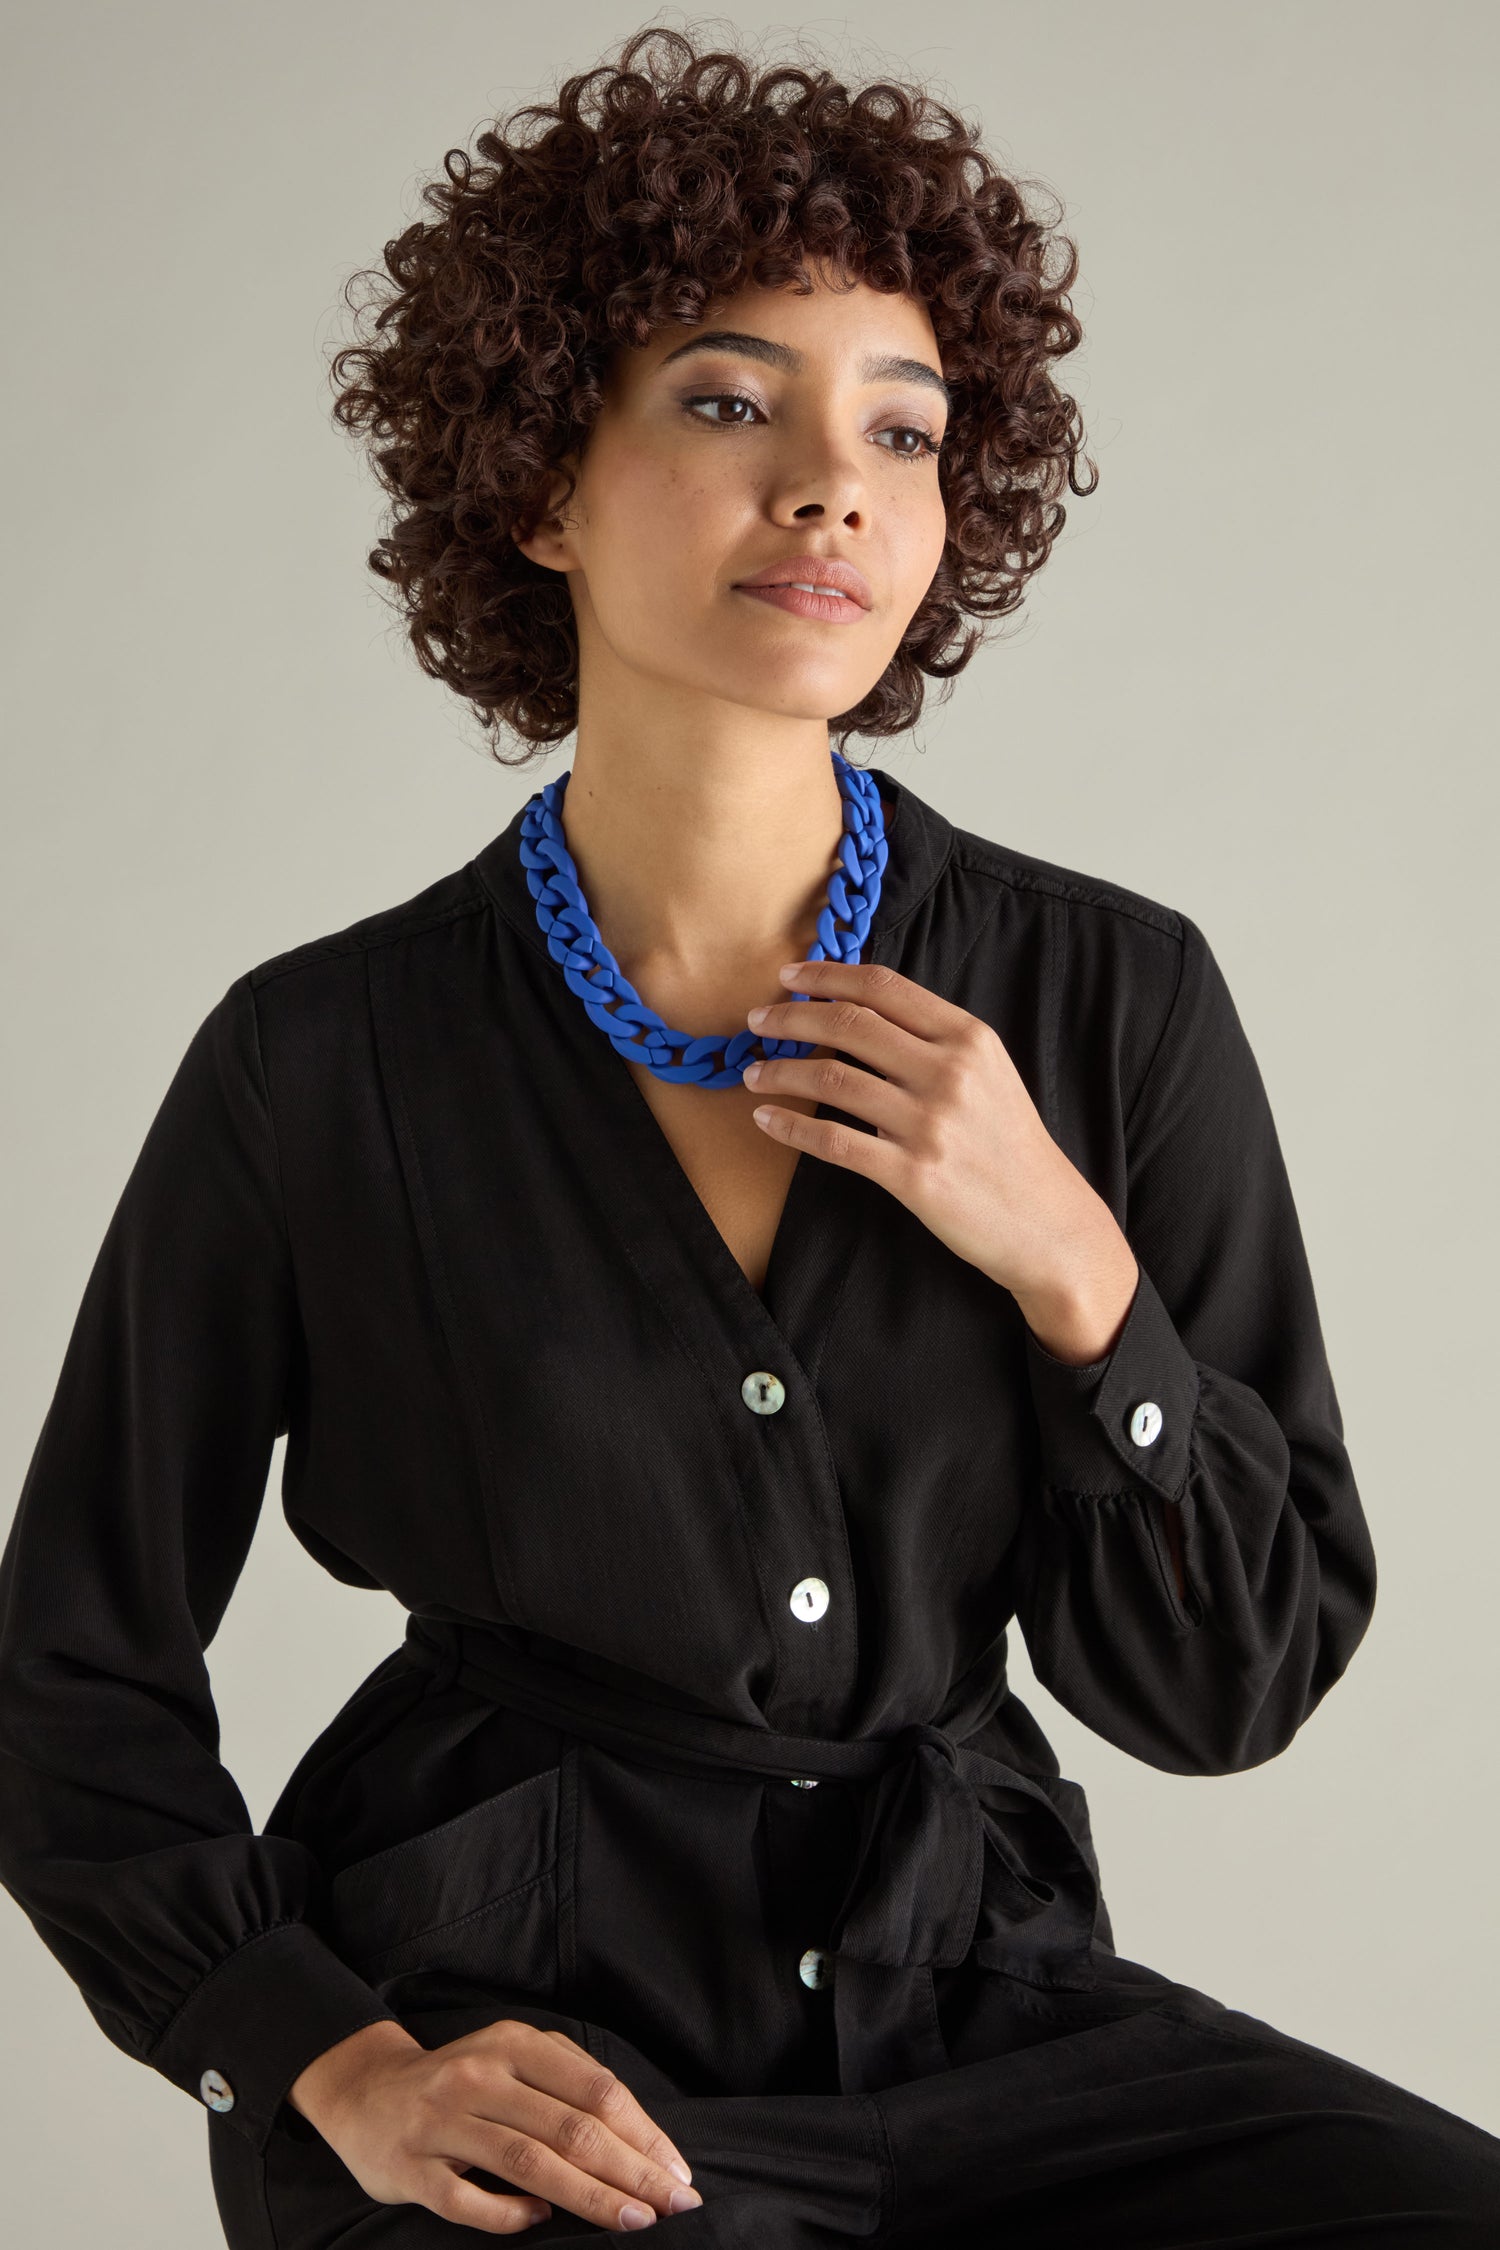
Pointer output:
957, 1851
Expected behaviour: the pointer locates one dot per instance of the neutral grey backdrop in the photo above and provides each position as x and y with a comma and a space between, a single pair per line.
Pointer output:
1248, 684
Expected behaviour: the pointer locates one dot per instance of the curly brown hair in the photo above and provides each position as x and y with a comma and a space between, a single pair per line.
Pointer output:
650, 187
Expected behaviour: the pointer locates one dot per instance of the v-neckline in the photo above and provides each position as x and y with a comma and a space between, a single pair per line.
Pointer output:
799, 1168
667, 1230
716, 1249
662, 1220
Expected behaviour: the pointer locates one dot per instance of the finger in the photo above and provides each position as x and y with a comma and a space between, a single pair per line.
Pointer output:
571, 2151
576, 2145
882, 1161
908, 1005
466, 2205
822, 1078
591, 2173
550, 2061
585, 2083
849, 1025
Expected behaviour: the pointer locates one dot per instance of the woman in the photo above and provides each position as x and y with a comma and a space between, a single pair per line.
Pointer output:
712, 1418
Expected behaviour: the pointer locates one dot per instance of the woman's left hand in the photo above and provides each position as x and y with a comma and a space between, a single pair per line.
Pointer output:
957, 1139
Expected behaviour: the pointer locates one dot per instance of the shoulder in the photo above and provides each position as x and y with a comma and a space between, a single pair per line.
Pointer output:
1006, 932
307, 1009
1052, 886
1126, 973
1096, 929
433, 909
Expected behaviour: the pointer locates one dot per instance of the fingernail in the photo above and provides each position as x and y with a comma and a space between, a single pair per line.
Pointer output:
684, 2199
751, 1073
636, 2215
790, 968
681, 2170
758, 1015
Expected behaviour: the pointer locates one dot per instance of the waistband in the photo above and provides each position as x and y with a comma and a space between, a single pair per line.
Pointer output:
957, 1850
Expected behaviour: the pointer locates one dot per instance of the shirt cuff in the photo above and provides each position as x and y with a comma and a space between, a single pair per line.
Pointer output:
257, 2020
1123, 1420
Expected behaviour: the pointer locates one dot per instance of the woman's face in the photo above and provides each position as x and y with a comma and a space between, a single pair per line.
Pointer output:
781, 426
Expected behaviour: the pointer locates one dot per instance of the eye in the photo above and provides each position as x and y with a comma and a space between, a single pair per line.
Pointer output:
720, 398
927, 449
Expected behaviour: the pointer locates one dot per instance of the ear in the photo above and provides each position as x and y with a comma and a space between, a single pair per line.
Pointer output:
551, 544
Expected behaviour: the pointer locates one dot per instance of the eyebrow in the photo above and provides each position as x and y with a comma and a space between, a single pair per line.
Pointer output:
875, 367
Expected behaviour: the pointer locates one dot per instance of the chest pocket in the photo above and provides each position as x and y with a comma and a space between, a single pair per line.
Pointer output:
482, 1902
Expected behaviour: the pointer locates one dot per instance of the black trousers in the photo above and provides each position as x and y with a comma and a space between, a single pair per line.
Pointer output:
1149, 2117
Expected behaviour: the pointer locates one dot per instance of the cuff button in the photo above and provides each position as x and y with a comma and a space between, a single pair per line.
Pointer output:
1145, 1422
216, 2090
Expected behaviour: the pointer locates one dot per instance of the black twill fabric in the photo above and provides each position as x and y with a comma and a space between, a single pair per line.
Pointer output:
403, 1202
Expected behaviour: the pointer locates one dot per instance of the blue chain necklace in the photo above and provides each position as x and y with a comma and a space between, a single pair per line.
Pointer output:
638, 1032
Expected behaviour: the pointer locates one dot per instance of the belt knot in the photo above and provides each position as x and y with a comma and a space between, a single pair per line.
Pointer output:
956, 1847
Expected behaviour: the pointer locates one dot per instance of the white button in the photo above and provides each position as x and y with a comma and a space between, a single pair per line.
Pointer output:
809, 1600
799, 1783
814, 1968
216, 2090
1145, 1422
762, 1393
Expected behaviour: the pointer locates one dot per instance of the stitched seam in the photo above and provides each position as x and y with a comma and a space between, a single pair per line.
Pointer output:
840, 1292
1230, 2034
346, 942
887, 2215
265, 1095
1057, 970
265, 2200
390, 1069
731, 1432
983, 923
550, 1774
365, 1957
974, 859
1258, 2043
1086, 1492
816, 1410
287, 1922
1161, 1040
569, 1816
925, 894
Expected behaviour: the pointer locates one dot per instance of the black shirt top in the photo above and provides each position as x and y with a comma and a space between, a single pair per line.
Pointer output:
404, 1202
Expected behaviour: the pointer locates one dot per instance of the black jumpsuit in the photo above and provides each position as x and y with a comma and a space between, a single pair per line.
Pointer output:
674, 1549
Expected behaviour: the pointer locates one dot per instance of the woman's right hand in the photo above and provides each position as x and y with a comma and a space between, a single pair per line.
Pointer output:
528, 2105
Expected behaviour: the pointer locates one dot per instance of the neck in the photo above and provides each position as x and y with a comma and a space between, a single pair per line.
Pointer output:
706, 862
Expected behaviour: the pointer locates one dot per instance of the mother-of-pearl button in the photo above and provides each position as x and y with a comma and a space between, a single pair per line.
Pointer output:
216, 2090
809, 1600
813, 1967
1145, 1422
762, 1392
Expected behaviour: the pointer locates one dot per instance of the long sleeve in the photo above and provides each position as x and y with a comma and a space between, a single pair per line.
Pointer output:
122, 1835
1216, 1400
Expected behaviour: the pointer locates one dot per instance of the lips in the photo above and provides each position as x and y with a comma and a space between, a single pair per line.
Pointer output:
827, 577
